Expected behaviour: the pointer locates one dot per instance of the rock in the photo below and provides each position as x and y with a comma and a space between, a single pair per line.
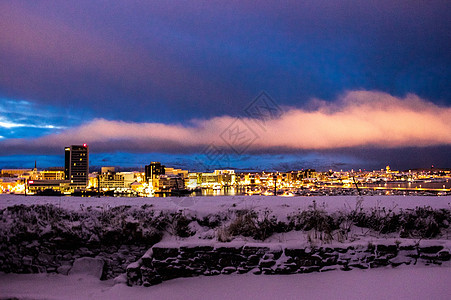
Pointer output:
45, 258
294, 252
229, 250
332, 260
431, 249
67, 256
386, 248
173, 271
64, 269
345, 268
340, 250
134, 273
268, 271
88, 266
328, 268
27, 260
51, 269
163, 253
253, 260
399, 260
38, 269
277, 253
124, 250
267, 263
444, 255
146, 283
252, 250
362, 266
196, 249
228, 270
242, 270
268, 256
85, 252
256, 271
214, 272
120, 279
407, 247
309, 269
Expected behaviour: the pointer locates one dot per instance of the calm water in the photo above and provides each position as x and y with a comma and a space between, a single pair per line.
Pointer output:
412, 185
231, 191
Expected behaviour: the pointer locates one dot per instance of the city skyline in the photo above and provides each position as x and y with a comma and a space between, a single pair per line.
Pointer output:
158, 180
333, 84
201, 166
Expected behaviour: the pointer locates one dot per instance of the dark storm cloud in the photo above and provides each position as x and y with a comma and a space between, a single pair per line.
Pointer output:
160, 61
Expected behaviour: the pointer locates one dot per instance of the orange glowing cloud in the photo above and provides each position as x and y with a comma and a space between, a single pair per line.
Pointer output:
358, 118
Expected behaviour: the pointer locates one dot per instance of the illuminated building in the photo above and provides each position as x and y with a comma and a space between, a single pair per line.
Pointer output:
153, 170
129, 178
170, 182
52, 175
111, 181
209, 179
183, 174
107, 169
172, 171
137, 187
194, 180
307, 174
8, 185
77, 164
36, 186
14, 172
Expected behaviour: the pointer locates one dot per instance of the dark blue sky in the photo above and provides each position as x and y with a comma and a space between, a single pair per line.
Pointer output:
65, 65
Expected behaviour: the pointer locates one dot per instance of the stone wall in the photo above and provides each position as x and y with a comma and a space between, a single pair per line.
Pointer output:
166, 261
44, 256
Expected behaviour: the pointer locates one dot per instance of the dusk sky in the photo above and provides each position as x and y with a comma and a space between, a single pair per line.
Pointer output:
209, 84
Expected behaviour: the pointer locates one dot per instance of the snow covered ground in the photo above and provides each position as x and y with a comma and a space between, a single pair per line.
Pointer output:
386, 283
407, 282
213, 204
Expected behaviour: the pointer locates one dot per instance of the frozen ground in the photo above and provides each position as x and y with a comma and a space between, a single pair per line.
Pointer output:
386, 283
409, 282
213, 204
280, 207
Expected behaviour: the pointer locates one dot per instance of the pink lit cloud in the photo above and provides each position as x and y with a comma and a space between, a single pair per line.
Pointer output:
358, 118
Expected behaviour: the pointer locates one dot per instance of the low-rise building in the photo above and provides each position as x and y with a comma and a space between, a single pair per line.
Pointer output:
111, 181
40, 186
51, 175
170, 182
14, 172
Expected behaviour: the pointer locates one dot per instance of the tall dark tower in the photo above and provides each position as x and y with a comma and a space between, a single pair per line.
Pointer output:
77, 164
153, 170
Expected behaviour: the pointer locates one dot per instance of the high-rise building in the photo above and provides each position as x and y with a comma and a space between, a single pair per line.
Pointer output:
77, 164
153, 170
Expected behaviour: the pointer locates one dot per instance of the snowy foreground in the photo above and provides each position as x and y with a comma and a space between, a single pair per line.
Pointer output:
387, 283
403, 282
213, 204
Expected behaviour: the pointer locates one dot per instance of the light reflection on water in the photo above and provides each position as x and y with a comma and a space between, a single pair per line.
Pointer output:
412, 185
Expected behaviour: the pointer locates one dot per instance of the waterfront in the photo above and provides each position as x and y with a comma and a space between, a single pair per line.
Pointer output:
425, 187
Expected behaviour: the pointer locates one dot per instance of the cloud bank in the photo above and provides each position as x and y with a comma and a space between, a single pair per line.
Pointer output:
357, 119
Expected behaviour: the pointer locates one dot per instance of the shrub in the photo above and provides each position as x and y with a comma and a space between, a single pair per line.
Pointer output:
125, 224
314, 219
244, 224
